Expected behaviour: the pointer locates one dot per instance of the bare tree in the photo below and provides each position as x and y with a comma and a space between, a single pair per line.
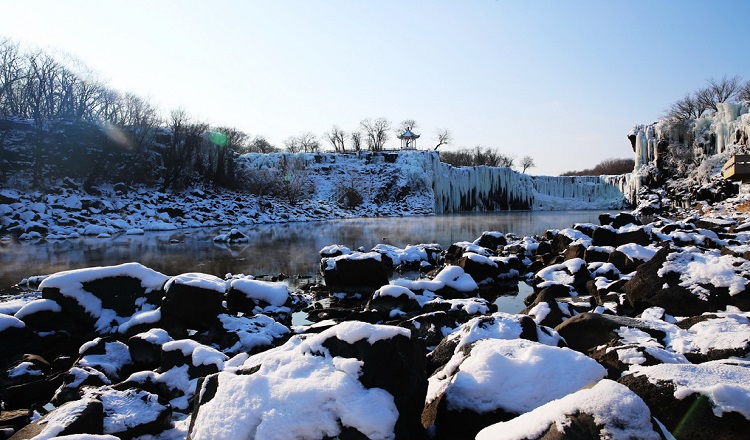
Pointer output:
443, 137
744, 92
293, 144
406, 124
376, 132
336, 138
356, 138
724, 89
526, 163
259, 144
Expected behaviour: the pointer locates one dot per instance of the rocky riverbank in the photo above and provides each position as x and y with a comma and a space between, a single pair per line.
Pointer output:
633, 331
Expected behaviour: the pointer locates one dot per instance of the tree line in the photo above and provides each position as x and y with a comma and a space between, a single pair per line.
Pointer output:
81, 127
702, 102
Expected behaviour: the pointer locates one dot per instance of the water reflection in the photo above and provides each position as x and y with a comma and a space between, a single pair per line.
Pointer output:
289, 248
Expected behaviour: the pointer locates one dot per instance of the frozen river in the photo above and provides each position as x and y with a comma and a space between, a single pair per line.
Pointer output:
288, 248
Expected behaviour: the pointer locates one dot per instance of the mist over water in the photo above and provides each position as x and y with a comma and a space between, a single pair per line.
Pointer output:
288, 248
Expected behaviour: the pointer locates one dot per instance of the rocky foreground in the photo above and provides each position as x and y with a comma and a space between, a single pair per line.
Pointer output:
633, 332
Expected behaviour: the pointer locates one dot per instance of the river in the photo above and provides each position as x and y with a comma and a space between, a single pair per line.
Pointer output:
288, 248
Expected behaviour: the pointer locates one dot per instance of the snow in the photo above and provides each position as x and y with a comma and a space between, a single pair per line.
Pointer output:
156, 336
353, 331
300, 391
24, 369
199, 354
199, 281
7, 321
335, 248
274, 293
638, 252
540, 311
393, 291
499, 325
514, 375
709, 268
725, 382
456, 278
620, 412
116, 355
127, 409
139, 318
36, 306
252, 332
399, 256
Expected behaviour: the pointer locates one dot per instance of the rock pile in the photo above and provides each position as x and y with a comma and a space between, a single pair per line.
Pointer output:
633, 331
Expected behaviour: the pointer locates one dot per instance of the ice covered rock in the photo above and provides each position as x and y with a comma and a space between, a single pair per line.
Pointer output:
589, 330
124, 414
26, 382
688, 283
357, 269
245, 294
104, 297
15, 337
249, 334
493, 380
145, 348
351, 379
705, 401
498, 325
607, 410
492, 240
194, 299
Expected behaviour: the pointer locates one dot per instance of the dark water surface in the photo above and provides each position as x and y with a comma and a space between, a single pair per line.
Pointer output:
288, 248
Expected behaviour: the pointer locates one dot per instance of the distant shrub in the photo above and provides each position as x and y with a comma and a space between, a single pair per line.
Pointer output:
606, 167
477, 156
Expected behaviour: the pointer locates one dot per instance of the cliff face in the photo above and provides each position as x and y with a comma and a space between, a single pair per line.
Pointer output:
418, 177
681, 158
676, 146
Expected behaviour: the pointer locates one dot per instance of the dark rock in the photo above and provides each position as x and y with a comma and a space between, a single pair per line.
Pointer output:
647, 289
491, 240
593, 255
574, 251
355, 270
31, 393
82, 417
689, 418
16, 338
624, 262
604, 237
589, 330
555, 316
190, 305
478, 268
14, 419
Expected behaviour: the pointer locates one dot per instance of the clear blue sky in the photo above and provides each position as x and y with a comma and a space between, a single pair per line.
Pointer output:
562, 81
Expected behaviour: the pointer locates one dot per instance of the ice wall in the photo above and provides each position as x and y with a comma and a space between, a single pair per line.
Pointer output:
501, 189
456, 189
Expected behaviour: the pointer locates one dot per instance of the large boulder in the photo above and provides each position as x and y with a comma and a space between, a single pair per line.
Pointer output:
245, 294
494, 380
194, 299
353, 380
589, 330
359, 269
706, 401
606, 410
100, 298
688, 283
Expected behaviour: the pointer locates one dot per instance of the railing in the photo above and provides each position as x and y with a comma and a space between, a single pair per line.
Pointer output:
737, 167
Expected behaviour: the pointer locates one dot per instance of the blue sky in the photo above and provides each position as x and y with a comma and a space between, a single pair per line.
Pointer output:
561, 81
